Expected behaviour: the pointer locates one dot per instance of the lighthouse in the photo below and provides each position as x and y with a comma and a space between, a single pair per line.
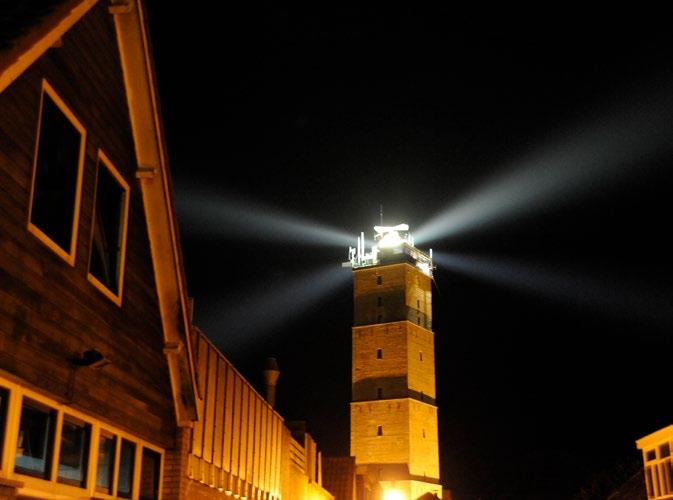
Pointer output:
393, 431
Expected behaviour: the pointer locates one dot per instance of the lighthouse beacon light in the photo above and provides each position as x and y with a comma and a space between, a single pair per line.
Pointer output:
391, 244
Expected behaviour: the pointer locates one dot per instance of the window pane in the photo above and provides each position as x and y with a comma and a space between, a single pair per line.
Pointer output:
33, 449
149, 475
126, 459
107, 233
74, 452
3, 415
106, 461
56, 175
664, 450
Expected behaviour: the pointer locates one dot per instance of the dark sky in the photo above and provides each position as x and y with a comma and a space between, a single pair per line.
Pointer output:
327, 114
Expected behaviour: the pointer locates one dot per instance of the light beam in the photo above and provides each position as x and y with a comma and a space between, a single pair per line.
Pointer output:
563, 286
590, 158
251, 316
205, 213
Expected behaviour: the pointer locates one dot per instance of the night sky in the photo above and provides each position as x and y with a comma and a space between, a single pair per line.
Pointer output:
553, 355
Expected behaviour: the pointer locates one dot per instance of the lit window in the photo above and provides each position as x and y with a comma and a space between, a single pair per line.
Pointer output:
379, 353
106, 264
106, 461
379, 280
33, 448
149, 475
57, 174
379, 430
126, 463
74, 452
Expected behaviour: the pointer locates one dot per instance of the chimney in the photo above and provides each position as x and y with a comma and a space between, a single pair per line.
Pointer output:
271, 374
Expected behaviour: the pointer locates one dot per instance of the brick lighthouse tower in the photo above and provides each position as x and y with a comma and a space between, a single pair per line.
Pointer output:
393, 413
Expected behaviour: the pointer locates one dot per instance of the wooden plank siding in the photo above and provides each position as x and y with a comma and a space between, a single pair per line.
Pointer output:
247, 432
49, 311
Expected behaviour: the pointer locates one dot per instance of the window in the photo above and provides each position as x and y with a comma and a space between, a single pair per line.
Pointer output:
379, 280
55, 450
379, 353
379, 319
149, 475
420, 355
4, 398
33, 448
418, 304
126, 463
379, 430
57, 175
72, 461
379, 393
108, 241
379, 301
107, 445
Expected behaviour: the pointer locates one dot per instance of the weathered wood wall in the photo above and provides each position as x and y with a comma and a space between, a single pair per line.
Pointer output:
49, 311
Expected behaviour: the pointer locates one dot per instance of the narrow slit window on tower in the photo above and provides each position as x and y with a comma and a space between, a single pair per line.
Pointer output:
418, 304
57, 174
379, 301
418, 320
379, 280
420, 355
379, 353
379, 430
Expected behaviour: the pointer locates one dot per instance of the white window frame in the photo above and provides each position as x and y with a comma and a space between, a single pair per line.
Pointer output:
68, 256
48, 488
105, 162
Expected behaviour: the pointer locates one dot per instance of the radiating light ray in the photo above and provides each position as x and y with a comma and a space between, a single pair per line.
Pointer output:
562, 286
591, 158
253, 315
208, 214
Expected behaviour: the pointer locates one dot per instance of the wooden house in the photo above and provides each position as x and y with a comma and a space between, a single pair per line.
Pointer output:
106, 390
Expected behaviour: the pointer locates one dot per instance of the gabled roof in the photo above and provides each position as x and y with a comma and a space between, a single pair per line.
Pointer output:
32, 38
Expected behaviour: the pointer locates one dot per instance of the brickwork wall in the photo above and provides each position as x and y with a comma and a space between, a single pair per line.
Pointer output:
423, 441
393, 445
418, 296
388, 372
379, 294
421, 361
176, 461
